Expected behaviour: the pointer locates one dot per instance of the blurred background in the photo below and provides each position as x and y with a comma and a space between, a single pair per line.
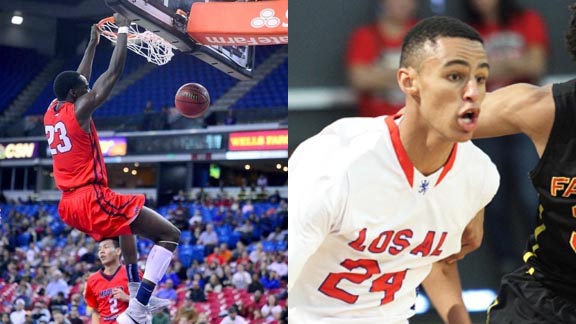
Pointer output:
343, 59
226, 171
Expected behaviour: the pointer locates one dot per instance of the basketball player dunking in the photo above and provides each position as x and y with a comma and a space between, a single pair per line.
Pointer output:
79, 171
376, 203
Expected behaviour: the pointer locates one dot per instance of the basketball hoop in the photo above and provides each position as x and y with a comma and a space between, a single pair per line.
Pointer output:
140, 41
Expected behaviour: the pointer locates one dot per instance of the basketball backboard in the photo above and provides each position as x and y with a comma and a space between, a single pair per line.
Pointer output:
222, 34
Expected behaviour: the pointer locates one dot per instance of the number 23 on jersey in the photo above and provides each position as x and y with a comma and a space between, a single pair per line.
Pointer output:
59, 129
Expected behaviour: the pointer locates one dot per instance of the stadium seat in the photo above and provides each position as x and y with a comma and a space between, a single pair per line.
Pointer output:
268, 246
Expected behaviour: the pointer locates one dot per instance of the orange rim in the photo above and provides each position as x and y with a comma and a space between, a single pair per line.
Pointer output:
111, 33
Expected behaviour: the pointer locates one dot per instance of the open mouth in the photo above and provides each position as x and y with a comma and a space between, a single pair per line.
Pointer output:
468, 119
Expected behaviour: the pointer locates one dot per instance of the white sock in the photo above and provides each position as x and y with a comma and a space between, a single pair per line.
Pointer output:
157, 263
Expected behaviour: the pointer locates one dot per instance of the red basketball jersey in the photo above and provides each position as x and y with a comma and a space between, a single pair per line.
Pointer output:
98, 294
76, 155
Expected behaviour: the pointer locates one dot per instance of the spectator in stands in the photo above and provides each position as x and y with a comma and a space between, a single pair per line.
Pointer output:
230, 117
161, 317
233, 317
32, 253
225, 253
186, 315
248, 207
162, 121
48, 240
279, 266
147, 116
57, 284
262, 181
2, 198
58, 317
245, 230
241, 279
11, 275
168, 291
75, 316
78, 303
255, 304
255, 285
243, 258
241, 309
181, 216
277, 235
257, 254
270, 280
226, 278
28, 318
24, 291
213, 285
201, 196
58, 302
18, 316
179, 270
41, 311
271, 310
215, 256
196, 293
275, 197
5, 318
208, 238
195, 221
373, 56
171, 275
211, 119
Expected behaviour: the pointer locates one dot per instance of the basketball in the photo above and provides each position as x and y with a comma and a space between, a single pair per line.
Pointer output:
192, 100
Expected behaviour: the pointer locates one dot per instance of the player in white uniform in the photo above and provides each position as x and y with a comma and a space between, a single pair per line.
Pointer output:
375, 203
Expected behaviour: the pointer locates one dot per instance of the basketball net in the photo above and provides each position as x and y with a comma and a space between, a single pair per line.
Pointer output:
140, 41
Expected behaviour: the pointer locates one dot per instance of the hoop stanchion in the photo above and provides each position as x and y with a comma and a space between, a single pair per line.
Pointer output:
140, 41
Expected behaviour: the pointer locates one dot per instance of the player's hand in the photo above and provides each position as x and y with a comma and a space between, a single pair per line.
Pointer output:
121, 20
471, 238
95, 34
120, 294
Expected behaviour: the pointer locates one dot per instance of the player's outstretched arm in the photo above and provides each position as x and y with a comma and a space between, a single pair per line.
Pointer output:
88, 103
85, 67
517, 108
443, 287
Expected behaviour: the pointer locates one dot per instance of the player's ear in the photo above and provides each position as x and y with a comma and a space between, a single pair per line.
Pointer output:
407, 80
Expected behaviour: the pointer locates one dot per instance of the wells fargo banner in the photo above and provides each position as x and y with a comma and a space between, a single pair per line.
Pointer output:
260, 140
18, 150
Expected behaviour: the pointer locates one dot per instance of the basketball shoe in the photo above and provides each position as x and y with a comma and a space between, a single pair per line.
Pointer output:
136, 313
154, 305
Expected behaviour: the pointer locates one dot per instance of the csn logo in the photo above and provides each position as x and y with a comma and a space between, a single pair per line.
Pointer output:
268, 19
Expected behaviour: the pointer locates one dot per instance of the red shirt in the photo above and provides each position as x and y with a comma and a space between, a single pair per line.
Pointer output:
525, 29
76, 155
368, 46
98, 294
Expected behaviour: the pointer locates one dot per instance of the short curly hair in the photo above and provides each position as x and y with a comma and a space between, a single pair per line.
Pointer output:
64, 82
430, 29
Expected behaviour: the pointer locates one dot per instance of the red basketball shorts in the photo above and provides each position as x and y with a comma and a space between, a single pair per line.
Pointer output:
99, 211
